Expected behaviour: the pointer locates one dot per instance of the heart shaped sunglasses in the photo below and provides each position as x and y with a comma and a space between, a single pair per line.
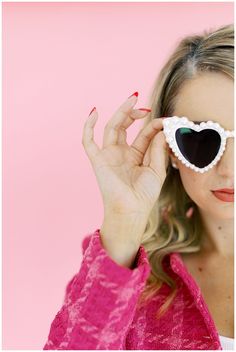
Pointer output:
198, 147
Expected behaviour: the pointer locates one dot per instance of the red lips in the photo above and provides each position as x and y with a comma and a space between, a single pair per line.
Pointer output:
225, 190
224, 194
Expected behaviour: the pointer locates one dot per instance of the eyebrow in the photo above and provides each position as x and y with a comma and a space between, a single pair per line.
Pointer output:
198, 122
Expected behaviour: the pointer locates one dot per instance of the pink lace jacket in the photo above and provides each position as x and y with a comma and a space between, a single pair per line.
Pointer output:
99, 309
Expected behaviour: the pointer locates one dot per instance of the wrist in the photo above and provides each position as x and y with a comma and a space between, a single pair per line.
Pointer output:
124, 229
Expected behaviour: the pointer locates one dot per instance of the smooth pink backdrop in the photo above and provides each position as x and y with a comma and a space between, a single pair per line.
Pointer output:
59, 61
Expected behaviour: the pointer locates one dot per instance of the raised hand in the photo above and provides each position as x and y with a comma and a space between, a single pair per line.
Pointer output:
129, 177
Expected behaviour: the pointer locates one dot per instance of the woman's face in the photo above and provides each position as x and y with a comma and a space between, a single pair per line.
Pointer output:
210, 96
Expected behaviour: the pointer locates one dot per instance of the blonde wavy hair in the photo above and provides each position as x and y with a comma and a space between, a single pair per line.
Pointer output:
168, 228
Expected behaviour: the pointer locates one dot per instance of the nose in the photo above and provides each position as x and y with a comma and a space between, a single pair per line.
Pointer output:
225, 166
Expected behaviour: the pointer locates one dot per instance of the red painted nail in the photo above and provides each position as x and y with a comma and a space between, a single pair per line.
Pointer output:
92, 111
143, 109
135, 93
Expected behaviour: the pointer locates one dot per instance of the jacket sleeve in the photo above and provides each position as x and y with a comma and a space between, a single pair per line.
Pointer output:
99, 302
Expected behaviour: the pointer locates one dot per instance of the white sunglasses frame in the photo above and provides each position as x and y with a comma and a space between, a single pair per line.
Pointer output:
171, 124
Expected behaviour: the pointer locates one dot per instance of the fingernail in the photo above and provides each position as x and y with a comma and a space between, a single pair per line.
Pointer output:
92, 111
135, 93
143, 109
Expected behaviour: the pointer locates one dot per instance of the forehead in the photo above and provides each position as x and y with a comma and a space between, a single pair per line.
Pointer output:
209, 96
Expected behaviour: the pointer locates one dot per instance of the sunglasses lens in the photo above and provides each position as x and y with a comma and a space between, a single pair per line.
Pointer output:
199, 148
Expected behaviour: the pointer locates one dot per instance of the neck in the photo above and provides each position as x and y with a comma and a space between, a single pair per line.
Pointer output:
218, 237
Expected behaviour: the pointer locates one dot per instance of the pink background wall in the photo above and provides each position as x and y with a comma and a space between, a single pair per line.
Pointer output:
60, 60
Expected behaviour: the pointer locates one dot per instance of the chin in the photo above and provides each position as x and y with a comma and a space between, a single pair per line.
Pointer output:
225, 214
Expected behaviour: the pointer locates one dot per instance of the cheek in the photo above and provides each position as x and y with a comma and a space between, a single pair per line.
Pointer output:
198, 187
194, 183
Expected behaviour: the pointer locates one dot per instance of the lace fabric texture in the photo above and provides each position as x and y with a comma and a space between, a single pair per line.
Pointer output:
99, 310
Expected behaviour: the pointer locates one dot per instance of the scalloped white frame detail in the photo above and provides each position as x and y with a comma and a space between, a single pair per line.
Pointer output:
171, 124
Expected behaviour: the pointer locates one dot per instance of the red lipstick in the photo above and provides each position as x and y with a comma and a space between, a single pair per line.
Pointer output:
224, 194
226, 190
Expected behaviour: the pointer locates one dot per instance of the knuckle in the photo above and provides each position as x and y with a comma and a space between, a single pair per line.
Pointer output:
107, 126
123, 130
111, 125
145, 137
137, 150
124, 111
83, 142
155, 122
117, 127
144, 133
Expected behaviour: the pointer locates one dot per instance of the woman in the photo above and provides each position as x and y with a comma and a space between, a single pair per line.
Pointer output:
158, 274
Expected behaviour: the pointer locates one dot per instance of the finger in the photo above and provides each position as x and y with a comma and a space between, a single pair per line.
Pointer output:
159, 155
90, 146
112, 128
135, 114
145, 135
147, 157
